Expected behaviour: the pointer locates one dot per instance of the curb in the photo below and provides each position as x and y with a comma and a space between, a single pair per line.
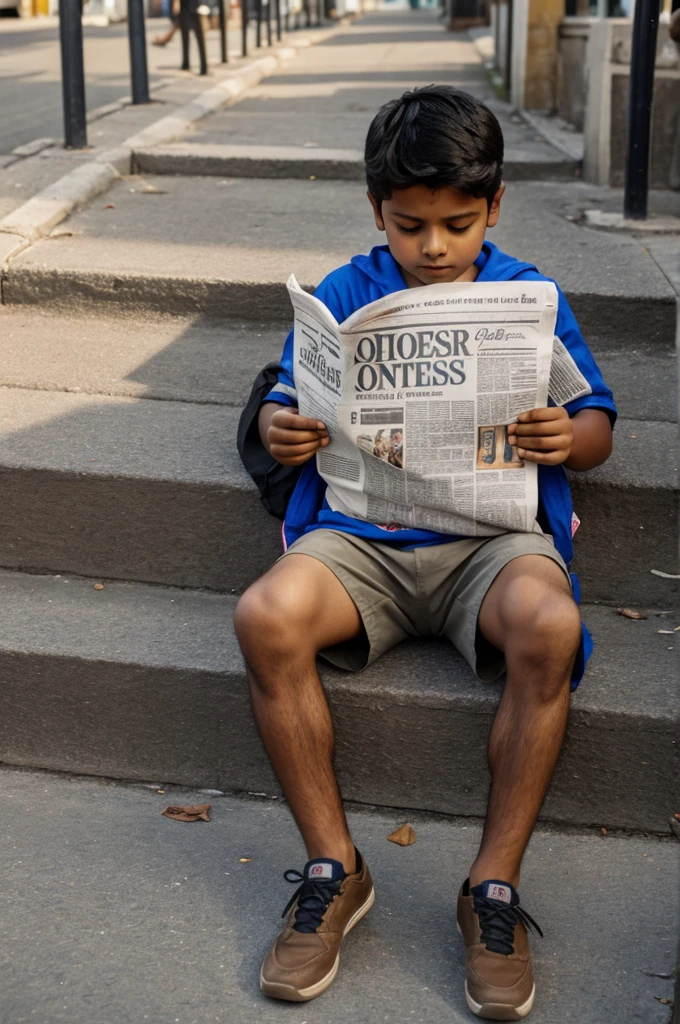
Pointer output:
40, 214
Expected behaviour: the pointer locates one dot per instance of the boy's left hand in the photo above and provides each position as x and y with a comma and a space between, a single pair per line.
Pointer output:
543, 435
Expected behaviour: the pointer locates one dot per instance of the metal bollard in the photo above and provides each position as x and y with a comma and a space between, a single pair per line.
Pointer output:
244, 28
72, 74
137, 39
224, 50
640, 97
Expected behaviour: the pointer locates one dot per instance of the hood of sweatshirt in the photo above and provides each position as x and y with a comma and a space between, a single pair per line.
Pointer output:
382, 268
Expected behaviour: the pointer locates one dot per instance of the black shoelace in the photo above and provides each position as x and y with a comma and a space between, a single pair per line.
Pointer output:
314, 897
497, 923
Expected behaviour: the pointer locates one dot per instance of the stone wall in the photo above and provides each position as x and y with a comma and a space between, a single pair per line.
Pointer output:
571, 70
608, 74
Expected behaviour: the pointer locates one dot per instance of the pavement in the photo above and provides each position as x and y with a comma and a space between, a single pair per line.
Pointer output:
114, 914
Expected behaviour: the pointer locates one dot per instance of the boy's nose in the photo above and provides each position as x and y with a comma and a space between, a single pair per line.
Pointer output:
434, 245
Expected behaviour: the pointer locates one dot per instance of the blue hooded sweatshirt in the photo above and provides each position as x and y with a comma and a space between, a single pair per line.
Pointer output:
371, 277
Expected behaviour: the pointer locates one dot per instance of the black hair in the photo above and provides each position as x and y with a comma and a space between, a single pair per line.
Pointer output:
436, 136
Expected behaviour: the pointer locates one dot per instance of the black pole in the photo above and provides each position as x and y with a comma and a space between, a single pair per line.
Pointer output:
72, 74
258, 27
223, 33
137, 39
269, 22
277, 8
640, 97
508, 48
244, 28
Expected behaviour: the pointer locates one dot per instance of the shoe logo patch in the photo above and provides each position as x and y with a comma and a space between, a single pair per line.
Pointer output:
499, 892
321, 871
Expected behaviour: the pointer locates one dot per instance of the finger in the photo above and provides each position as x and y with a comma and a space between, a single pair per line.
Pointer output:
544, 458
549, 413
543, 428
277, 435
545, 444
294, 421
293, 450
297, 460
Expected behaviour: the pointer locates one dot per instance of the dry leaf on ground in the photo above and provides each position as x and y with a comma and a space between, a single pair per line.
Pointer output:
245, 860
197, 813
98, 586
403, 836
630, 613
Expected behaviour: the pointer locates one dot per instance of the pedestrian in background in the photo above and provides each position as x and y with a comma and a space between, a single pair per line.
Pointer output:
190, 19
174, 18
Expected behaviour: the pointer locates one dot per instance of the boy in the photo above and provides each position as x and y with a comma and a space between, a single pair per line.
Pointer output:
347, 589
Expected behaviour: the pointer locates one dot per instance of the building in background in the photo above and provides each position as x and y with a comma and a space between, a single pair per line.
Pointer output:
570, 59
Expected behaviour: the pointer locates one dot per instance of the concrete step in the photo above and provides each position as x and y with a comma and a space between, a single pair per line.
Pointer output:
226, 246
223, 159
193, 953
147, 683
196, 358
104, 352
154, 491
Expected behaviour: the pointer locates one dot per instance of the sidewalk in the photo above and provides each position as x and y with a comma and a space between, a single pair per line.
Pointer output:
114, 914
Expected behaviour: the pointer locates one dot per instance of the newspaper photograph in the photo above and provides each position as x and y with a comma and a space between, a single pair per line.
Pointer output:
417, 391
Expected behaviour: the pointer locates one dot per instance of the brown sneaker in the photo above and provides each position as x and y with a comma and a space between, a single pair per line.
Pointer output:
304, 958
500, 982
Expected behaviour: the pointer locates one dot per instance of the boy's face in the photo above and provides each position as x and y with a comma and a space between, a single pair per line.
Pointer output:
435, 236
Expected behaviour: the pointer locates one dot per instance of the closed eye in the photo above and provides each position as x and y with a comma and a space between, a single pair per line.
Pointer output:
453, 228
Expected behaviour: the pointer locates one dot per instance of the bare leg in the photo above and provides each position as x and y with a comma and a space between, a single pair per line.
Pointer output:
529, 614
282, 622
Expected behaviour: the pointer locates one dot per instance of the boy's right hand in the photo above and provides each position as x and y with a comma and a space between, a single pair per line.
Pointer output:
293, 439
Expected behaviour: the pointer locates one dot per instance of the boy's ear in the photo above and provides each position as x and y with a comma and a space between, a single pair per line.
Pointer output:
377, 212
495, 208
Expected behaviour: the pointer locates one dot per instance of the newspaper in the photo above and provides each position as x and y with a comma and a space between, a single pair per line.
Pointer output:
417, 391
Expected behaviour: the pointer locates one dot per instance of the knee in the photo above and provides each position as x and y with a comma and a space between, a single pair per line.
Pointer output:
543, 625
269, 623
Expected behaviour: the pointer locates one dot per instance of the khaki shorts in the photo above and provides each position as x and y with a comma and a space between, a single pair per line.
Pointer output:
427, 591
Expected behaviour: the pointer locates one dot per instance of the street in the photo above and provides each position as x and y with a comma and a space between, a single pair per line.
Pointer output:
30, 72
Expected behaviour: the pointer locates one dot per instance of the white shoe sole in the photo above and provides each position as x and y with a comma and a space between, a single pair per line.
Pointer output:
279, 990
500, 1011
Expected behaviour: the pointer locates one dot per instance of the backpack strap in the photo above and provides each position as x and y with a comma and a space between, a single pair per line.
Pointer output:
275, 482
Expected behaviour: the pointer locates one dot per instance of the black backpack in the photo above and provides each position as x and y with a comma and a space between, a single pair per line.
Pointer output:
274, 481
